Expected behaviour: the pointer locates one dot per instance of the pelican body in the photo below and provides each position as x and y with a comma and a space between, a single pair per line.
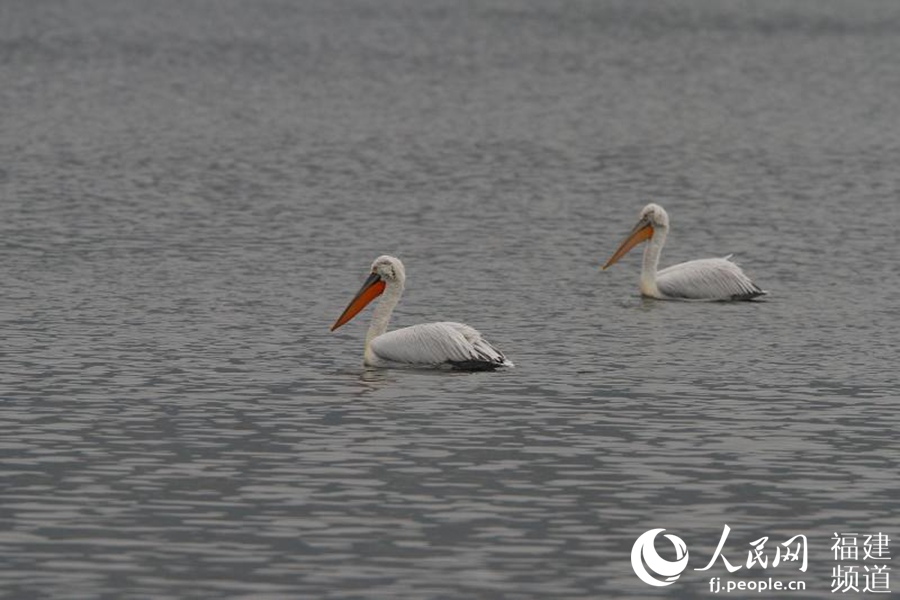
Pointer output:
444, 344
704, 279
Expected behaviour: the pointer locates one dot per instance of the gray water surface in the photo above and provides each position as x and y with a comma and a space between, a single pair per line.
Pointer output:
191, 192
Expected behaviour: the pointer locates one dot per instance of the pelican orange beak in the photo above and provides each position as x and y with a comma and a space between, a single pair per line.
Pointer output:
641, 232
371, 289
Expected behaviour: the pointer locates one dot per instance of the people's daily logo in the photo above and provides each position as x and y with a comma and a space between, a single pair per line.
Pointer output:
864, 563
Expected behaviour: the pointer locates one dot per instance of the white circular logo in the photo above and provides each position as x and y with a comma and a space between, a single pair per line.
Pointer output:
644, 552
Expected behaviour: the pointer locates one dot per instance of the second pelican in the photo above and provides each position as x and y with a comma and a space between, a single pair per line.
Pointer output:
704, 279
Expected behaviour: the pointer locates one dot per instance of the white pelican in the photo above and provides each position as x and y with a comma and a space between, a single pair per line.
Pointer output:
704, 279
429, 345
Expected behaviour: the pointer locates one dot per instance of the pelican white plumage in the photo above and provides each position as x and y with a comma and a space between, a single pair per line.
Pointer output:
444, 344
704, 279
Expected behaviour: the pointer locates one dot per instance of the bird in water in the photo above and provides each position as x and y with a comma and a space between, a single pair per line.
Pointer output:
704, 279
444, 344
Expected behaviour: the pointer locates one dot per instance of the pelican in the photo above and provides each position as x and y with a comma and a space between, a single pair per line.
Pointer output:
704, 279
443, 344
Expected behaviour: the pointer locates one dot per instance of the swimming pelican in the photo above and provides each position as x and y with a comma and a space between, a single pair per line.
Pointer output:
705, 279
429, 345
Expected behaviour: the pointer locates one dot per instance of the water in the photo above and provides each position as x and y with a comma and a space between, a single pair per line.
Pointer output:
190, 193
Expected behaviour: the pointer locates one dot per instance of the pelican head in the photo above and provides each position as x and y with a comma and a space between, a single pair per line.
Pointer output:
385, 271
389, 268
653, 218
656, 214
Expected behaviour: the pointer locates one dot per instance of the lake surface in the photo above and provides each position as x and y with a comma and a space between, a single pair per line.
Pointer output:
191, 192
